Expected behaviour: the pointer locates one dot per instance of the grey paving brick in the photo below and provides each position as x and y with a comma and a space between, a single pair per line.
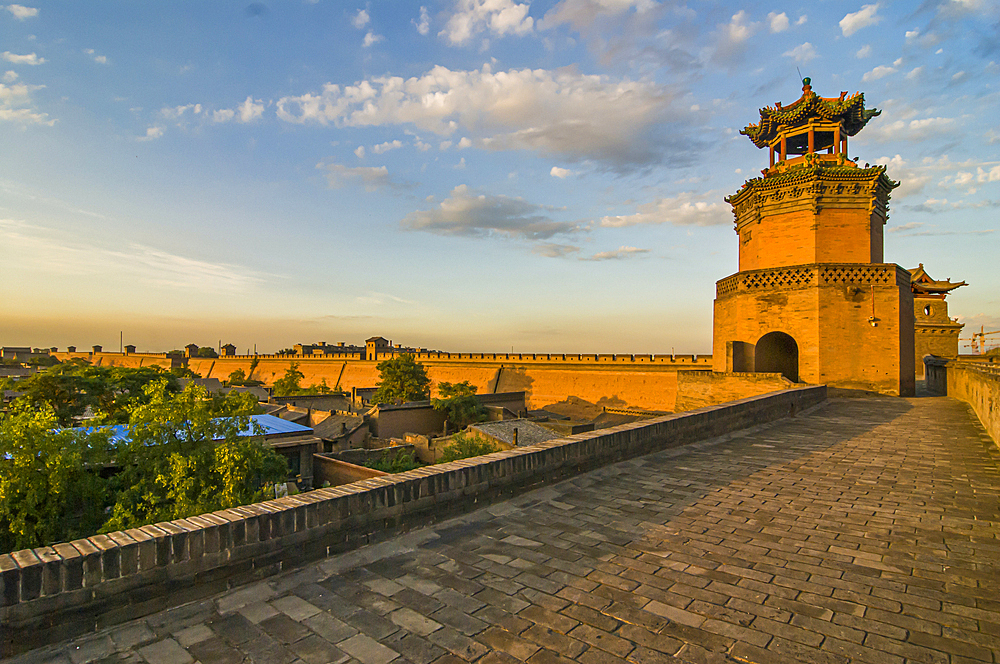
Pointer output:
166, 651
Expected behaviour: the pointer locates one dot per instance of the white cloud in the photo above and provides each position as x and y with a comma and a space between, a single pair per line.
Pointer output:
867, 15
360, 19
914, 73
468, 214
879, 72
731, 38
9, 76
370, 177
561, 173
863, 52
49, 251
382, 148
29, 59
618, 123
911, 131
582, 13
959, 175
359, 152
617, 254
464, 143
152, 133
251, 109
554, 250
778, 22
100, 59
371, 39
801, 53
223, 115
177, 112
16, 104
686, 209
802, 20
424, 24
499, 17
21, 12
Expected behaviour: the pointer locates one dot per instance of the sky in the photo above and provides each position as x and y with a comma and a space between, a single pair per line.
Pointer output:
462, 175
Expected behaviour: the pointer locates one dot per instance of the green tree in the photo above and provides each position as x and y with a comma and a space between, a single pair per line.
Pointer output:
290, 383
188, 453
459, 404
401, 379
464, 446
237, 377
205, 351
51, 488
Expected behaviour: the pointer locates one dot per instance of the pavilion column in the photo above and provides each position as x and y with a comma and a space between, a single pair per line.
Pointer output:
812, 140
836, 139
772, 156
784, 145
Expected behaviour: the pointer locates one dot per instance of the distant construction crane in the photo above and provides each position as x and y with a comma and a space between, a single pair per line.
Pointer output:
978, 339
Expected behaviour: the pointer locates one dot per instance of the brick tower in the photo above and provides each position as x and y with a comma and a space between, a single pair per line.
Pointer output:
813, 298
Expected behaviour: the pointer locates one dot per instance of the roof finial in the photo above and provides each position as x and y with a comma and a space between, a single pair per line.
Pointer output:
806, 87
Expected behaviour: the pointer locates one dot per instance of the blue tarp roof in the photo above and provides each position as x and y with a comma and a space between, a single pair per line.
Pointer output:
269, 423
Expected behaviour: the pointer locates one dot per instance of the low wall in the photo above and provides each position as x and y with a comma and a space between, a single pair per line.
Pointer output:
334, 472
976, 384
696, 389
55, 593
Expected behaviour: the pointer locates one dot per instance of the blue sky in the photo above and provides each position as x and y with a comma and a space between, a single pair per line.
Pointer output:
546, 176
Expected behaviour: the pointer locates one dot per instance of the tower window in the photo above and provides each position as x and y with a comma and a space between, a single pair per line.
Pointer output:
927, 310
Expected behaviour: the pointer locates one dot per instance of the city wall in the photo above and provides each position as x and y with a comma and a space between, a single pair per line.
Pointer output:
976, 383
578, 386
55, 593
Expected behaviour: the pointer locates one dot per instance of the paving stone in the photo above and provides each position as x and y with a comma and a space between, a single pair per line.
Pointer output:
367, 650
166, 651
215, 651
194, 634
314, 650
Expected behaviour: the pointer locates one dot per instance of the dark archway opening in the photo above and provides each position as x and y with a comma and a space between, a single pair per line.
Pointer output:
777, 352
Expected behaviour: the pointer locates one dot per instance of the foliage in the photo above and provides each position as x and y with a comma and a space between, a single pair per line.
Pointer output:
205, 351
51, 488
402, 379
71, 387
286, 351
253, 365
44, 361
184, 372
290, 383
464, 446
237, 377
399, 461
459, 403
185, 455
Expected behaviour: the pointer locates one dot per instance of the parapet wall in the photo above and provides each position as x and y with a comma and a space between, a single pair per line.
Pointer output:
975, 383
55, 593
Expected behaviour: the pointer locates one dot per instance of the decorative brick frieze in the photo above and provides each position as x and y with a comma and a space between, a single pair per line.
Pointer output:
808, 276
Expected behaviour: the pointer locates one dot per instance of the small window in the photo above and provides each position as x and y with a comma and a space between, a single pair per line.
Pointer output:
927, 310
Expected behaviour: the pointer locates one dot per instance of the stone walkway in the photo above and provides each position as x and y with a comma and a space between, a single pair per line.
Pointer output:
866, 531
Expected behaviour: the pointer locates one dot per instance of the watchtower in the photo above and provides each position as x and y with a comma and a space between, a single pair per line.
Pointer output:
813, 298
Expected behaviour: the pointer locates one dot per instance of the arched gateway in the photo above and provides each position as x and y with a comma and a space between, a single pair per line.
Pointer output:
777, 352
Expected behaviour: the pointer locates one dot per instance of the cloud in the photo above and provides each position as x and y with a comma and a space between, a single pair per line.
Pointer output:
360, 152
686, 209
251, 109
620, 124
581, 14
879, 72
29, 59
360, 19
223, 115
370, 177
731, 38
178, 112
801, 53
100, 59
9, 76
554, 250
382, 148
863, 52
777, 22
49, 251
152, 133
424, 24
618, 254
499, 17
862, 18
560, 173
16, 104
468, 214
371, 39
913, 225
21, 12
914, 130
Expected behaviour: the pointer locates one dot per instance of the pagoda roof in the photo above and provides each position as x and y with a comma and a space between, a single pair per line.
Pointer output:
922, 283
850, 111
